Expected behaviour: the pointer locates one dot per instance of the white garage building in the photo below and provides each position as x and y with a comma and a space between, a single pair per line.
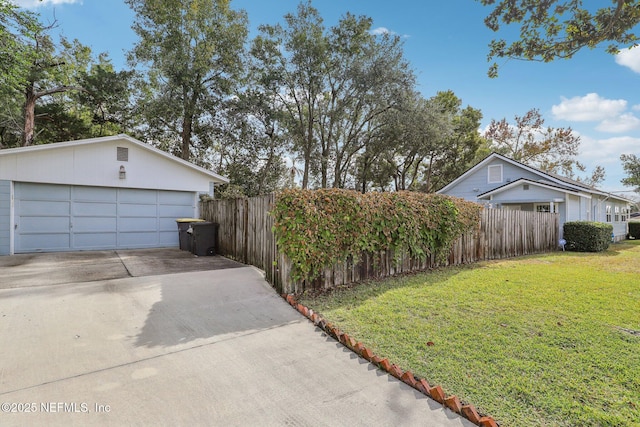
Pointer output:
102, 193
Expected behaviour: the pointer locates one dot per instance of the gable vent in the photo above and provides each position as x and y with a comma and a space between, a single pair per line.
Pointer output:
525, 187
495, 174
123, 154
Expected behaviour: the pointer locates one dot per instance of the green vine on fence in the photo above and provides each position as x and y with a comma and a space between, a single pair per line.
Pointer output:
317, 228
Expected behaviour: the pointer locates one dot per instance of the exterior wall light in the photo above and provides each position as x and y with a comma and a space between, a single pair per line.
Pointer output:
123, 173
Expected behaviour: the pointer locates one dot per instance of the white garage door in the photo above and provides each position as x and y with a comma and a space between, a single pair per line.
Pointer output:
66, 218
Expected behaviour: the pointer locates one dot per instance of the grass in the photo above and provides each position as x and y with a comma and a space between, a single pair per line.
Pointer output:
544, 340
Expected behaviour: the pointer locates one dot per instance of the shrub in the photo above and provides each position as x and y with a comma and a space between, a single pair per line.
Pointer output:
587, 236
634, 230
316, 229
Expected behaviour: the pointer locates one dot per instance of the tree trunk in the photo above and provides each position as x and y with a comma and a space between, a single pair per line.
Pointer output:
29, 110
29, 116
307, 161
324, 166
189, 101
307, 150
187, 122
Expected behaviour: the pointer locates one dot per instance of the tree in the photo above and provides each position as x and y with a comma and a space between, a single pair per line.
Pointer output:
17, 28
421, 145
192, 51
107, 95
414, 135
55, 91
367, 77
530, 142
32, 67
554, 29
252, 155
461, 147
333, 86
293, 57
631, 165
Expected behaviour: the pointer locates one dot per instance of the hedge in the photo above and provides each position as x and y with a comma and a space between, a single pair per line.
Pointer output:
317, 228
634, 229
587, 236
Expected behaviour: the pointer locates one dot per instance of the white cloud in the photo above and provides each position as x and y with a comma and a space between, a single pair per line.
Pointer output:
590, 107
624, 123
32, 4
384, 30
629, 58
606, 151
380, 31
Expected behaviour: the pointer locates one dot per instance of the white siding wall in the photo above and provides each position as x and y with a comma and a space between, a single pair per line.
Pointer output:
573, 211
97, 165
479, 180
533, 194
599, 208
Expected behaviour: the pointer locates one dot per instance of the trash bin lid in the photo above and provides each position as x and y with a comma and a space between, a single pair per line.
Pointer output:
179, 220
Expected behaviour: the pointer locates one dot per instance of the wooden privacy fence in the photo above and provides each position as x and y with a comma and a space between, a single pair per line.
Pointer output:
245, 234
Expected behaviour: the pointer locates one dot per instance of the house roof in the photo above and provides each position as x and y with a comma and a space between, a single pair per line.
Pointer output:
520, 181
120, 137
547, 178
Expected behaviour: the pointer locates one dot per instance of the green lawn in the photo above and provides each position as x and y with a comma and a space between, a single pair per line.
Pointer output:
549, 340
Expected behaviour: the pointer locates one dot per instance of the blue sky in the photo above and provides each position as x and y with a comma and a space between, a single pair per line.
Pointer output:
446, 43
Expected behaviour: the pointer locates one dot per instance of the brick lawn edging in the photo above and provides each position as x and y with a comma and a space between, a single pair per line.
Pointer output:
435, 392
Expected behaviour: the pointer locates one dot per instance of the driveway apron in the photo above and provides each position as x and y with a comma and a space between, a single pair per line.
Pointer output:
215, 347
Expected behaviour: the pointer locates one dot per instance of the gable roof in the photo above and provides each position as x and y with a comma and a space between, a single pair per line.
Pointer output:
546, 177
541, 184
120, 137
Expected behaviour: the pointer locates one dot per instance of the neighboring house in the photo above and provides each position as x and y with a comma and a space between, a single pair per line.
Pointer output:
503, 183
112, 192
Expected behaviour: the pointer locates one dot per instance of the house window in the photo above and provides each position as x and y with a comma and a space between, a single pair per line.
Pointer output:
608, 213
495, 174
617, 217
546, 207
625, 212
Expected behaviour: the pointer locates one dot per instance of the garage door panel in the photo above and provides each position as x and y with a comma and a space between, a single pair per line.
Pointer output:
34, 224
137, 224
175, 198
95, 240
43, 192
126, 210
43, 208
168, 238
137, 239
95, 209
167, 224
174, 212
44, 242
94, 224
128, 195
95, 194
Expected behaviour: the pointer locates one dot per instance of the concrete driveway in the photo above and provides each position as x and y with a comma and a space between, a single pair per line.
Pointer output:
212, 347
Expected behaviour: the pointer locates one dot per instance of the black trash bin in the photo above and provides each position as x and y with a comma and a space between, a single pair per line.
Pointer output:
204, 238
184, 237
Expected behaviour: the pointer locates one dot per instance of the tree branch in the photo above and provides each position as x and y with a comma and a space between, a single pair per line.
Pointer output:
59, 89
